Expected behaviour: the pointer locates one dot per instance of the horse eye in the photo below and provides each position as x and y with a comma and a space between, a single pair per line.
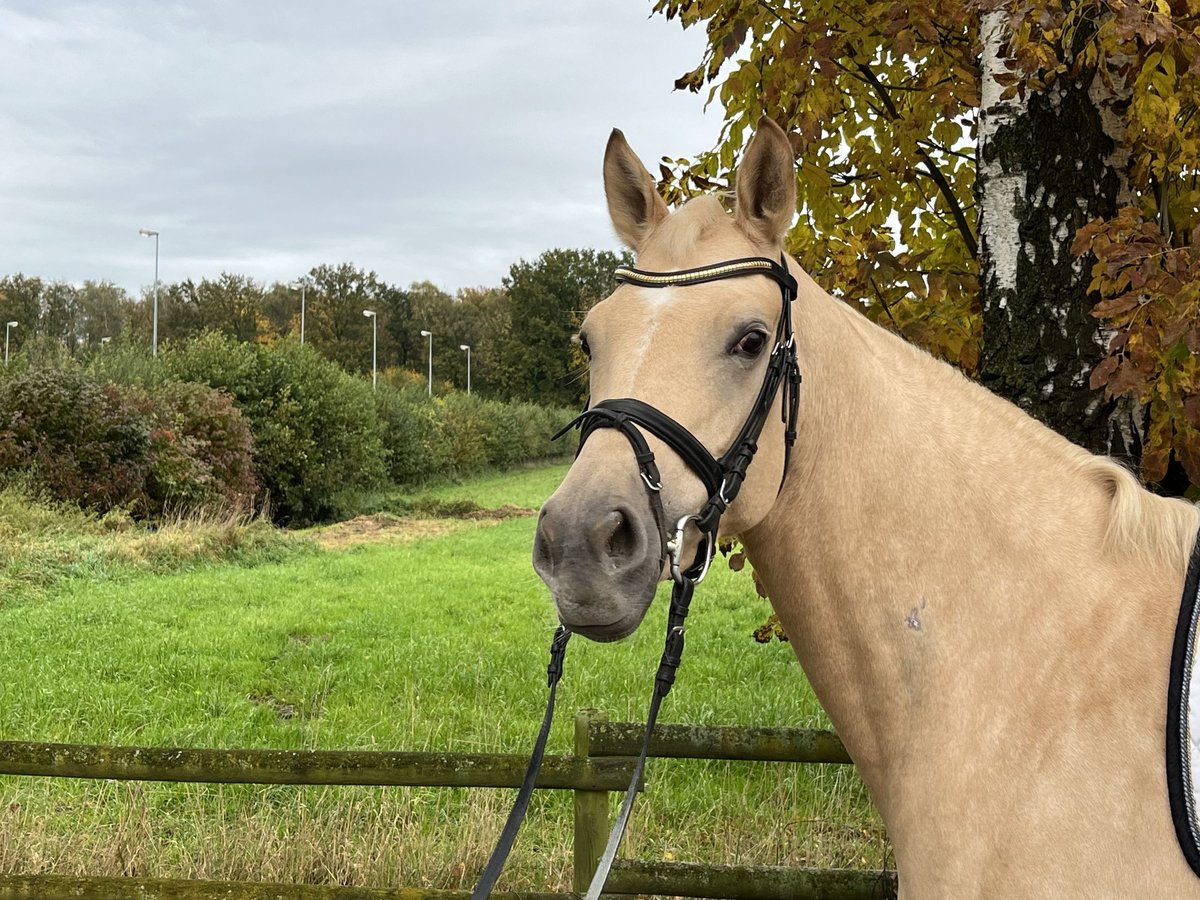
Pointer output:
583, 345
751, 344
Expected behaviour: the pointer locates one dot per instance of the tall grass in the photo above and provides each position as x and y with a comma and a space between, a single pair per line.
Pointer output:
44, 543
428, 644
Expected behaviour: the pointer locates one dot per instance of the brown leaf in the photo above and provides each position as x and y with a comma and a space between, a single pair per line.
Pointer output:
1103, 370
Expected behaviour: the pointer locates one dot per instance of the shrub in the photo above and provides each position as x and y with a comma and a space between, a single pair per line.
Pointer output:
125, 363
465, 424
201, 450
80, 441
455, 434
316, 432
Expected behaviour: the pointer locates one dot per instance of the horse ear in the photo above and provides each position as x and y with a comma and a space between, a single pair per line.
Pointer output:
766, 185
633, 202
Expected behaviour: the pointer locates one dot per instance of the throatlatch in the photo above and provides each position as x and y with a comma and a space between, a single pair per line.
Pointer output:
722, 479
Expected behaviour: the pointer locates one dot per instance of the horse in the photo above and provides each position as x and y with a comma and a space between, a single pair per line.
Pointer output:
984, 609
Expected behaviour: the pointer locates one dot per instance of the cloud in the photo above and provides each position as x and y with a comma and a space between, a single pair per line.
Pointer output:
424, 141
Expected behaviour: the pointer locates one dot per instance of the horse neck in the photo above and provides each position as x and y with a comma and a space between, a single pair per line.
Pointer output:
919, 511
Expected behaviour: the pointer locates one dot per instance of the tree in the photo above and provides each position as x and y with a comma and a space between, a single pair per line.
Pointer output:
335, 323
60, 318
491, 322
547, 301
20, 301
453, 324
1078, 112
103, 311
398, 338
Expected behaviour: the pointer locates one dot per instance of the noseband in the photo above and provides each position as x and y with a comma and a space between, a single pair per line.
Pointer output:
722, 478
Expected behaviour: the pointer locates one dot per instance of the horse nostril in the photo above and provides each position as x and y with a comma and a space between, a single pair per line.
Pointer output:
622, 540
547, 553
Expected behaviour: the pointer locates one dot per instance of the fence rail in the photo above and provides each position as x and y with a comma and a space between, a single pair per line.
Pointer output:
366, 767
602, 763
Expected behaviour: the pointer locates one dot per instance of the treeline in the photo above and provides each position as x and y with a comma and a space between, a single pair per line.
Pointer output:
519, 332
218, 423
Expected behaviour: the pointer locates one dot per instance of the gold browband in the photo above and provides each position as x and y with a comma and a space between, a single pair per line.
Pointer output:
730, 269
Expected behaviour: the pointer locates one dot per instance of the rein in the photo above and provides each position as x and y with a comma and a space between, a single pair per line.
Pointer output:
722, 478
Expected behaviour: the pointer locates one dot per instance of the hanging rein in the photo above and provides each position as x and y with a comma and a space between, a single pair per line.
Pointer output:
722, 479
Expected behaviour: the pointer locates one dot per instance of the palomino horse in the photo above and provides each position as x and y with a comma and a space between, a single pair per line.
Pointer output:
985, 610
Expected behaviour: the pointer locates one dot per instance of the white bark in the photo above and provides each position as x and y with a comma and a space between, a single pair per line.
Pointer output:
999, 193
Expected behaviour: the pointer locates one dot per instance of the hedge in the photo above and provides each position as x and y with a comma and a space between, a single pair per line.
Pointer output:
215, 422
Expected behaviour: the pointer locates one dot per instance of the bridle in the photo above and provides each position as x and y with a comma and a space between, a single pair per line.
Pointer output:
722, 478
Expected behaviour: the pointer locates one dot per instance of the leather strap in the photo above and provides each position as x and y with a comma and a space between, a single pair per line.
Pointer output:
495, 864
722, 478
664, 679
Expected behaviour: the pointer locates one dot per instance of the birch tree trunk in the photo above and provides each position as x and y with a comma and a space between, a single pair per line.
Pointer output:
1048, 163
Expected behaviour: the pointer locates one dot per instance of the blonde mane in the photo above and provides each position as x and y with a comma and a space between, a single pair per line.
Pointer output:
1155, 528
1140, 524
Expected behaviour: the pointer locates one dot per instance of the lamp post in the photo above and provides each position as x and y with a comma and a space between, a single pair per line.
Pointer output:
370, 314
150, 232
7, 327
467, 347
429, 334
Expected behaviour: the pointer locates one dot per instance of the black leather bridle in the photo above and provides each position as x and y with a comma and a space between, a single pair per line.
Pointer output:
722, 478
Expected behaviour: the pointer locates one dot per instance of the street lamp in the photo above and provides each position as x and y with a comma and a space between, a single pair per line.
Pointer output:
150, 232
370, 314
429, 334
303, 287
7, 327
467, 347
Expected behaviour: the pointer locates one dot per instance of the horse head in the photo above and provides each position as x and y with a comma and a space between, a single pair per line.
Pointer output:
696, 351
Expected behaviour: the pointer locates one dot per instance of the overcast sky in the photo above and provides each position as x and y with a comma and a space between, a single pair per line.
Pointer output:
427, 139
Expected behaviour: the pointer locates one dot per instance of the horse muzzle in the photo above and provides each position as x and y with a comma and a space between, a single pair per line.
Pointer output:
601, 558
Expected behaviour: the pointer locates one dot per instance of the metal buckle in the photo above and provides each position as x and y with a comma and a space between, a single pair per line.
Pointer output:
650, 484
721, 490
675, 548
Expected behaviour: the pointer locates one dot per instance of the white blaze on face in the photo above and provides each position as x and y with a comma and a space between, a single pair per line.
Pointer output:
653, 302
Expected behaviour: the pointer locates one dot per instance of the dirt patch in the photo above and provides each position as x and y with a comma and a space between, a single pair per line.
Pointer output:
379, 528
502, 512
383, 528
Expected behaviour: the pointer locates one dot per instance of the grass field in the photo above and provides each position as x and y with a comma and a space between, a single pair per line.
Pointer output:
425, 636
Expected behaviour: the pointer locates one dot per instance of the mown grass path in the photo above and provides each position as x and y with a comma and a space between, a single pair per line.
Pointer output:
434, 642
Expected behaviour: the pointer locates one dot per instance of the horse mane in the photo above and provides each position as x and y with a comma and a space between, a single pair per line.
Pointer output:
1155, 529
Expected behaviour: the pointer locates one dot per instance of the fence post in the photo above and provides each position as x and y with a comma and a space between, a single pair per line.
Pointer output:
591, 810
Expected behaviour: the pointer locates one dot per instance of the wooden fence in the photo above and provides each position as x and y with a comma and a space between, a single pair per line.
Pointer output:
603, 762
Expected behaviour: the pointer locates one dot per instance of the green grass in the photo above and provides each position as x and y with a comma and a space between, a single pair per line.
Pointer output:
45, 544
526, 487
436, 643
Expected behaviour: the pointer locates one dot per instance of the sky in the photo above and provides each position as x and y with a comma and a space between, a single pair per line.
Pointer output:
432, 140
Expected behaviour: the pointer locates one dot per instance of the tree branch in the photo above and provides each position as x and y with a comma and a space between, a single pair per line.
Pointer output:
960, 218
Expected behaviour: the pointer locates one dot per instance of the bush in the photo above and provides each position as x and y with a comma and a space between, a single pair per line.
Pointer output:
201, 450
465, 425
455, 435
80, 441
317, 435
